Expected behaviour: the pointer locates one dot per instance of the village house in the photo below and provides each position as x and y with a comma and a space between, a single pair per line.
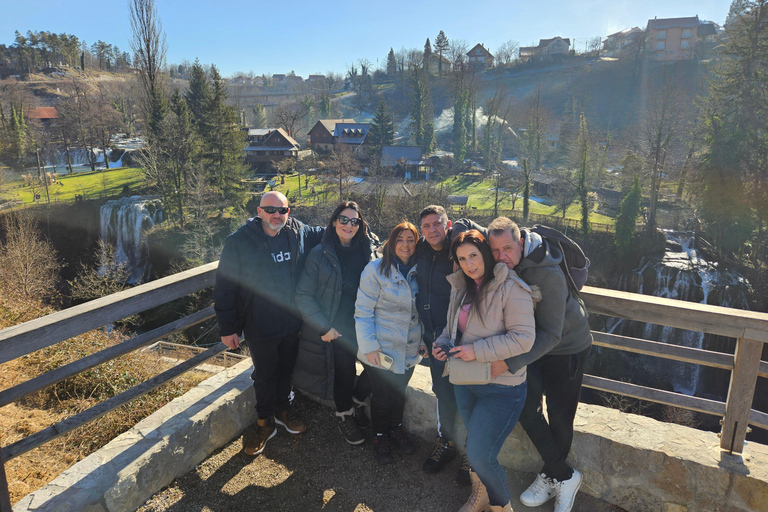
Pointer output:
267, 145
434, 63
676, 38
321, 135
354, 135
45, 115
406, 161
618, 41
480, 57
546, 48
315, 78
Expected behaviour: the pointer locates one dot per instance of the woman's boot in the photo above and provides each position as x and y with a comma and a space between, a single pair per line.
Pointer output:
478, 500
505, 508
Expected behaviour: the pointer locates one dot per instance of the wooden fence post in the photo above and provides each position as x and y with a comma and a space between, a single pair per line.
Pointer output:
740, 394
5, 496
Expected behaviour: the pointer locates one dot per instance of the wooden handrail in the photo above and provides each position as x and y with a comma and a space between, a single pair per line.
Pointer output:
750, 329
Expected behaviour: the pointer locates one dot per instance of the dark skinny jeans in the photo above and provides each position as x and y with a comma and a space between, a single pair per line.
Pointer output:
559, 378
344, 372
388, 400
443, 390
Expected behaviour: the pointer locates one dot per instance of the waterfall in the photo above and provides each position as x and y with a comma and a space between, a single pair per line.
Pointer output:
682, 274
122, 223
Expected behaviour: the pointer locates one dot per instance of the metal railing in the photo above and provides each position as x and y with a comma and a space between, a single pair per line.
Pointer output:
749, 328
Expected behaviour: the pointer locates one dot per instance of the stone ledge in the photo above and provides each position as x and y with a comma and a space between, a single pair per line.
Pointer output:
635, 462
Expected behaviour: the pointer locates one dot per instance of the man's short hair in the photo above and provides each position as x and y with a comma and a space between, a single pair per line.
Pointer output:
433, 209
501, 225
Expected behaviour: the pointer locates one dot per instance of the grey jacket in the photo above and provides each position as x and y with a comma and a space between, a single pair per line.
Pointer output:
562, 325
386, 316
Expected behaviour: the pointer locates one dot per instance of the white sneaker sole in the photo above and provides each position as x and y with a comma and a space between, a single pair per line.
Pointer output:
278, 422
273, 434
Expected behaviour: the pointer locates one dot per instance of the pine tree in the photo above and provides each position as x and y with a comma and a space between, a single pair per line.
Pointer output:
582, 164
461, 101
419, 91
382, 131
391, 63
198, 97
629, 209
441, 46
733, 195
427, 55
259, 116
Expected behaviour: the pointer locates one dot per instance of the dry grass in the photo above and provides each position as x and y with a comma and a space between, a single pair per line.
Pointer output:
31, 414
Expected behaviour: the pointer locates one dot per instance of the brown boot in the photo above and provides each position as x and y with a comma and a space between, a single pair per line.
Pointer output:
505, 508
290, 421
478, 500
265, 430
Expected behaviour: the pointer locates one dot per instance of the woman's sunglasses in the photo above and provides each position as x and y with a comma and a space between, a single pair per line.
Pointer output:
282, 210
346, 220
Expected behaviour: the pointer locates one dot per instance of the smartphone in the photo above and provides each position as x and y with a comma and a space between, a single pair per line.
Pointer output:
446, 347
385, 361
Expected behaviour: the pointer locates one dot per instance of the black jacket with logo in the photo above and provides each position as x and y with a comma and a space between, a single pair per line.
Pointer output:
248, 296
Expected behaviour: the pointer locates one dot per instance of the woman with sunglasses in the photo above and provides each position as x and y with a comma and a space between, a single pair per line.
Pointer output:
490, 318
326, 294
389, 336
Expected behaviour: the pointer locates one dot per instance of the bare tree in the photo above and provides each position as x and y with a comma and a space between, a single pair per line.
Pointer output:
149, 48
107, 276
28, 263
343, 164
505, 54
288, 116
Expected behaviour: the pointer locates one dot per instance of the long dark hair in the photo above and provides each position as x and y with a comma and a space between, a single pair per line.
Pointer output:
474, 237
388, 251
361, 233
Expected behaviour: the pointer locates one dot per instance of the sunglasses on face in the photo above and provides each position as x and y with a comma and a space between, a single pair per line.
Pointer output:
346, 220
282, 210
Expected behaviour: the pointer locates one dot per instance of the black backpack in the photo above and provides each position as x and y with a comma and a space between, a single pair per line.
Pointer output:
575, 263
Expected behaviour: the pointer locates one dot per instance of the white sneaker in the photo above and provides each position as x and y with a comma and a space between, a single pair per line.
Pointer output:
540, 491
566, 492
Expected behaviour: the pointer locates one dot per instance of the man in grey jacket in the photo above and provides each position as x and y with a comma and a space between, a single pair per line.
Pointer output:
555, 363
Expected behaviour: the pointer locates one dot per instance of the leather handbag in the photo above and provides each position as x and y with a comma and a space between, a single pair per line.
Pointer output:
462, 372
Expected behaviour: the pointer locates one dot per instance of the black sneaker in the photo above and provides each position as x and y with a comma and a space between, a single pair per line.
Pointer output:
463, 475
350, 431
381, 449
399, 438
361, 417
443, 453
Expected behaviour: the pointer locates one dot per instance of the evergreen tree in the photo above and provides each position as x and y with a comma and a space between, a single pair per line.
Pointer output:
324, 107
582, 164
734, 195
259, 116
382, 131
198, 97
441, 46
461, 101
391, 63
419, 91
629, 209
427, 55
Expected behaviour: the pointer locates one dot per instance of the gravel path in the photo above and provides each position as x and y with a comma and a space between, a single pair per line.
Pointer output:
318, 470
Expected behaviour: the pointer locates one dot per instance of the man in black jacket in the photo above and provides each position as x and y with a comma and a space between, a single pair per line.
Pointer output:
555, 363
433, 265
254, 294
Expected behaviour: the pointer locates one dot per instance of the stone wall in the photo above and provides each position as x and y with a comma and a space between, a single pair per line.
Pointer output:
638, 463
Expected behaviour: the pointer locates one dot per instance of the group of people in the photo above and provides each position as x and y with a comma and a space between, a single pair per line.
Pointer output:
489, 307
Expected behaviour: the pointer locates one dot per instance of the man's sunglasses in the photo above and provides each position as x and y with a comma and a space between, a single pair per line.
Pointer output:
346, 220
282, 210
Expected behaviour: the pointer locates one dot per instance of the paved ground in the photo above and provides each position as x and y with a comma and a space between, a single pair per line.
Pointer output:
319, 471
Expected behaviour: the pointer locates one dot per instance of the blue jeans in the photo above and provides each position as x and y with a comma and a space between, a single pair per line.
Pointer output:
490, 412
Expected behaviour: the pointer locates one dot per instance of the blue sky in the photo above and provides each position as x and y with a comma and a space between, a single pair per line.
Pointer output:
327, 35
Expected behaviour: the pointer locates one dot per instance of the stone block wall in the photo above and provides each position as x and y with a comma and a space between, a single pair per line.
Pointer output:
638, 463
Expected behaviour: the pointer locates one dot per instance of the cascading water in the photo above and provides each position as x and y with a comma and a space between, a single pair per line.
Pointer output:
683, 274
122, 223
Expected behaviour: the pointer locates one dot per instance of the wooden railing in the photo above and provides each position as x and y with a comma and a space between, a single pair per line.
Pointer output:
749, 328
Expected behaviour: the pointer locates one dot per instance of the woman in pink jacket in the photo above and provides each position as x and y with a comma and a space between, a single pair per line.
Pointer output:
490, 318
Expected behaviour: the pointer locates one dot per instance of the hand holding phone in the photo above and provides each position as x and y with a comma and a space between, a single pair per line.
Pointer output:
385, 361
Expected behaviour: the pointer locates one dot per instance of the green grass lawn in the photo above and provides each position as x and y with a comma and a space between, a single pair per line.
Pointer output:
90, 185
482, 196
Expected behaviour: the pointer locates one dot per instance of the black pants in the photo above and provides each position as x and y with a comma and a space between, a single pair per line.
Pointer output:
559, 378
344, 372
273, 362
388, 400
443, 390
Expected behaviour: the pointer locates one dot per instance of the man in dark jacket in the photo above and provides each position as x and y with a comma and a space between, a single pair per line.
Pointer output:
555, 363
433, 265
254, 294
